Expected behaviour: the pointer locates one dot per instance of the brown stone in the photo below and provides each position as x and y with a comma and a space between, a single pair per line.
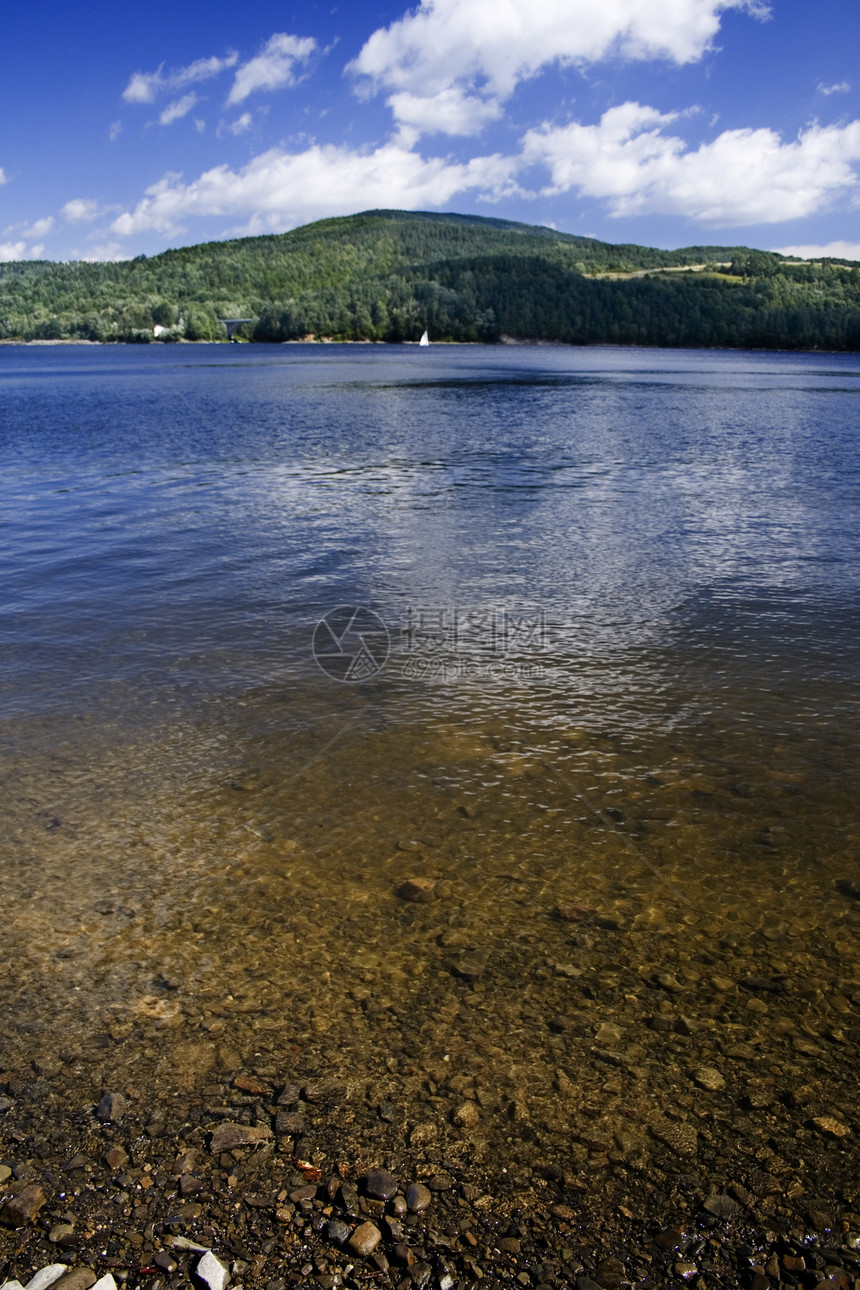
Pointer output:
422, 890
365, 1239
573, 911
250, 1084
23, 1208
76, 1279
226, 1137
116, 1158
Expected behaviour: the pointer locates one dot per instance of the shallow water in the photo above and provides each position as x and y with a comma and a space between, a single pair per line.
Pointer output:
620, 593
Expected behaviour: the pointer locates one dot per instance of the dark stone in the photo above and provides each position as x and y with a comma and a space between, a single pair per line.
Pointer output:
669, 1239
112, 1107
332, 1091
417, 1197
337, 1231
23, 1208
289, 1123
380, 1184
421, 890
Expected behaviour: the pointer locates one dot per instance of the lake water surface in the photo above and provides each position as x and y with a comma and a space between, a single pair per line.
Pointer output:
615, 662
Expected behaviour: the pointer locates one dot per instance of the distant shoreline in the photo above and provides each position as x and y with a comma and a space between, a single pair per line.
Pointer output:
503, 342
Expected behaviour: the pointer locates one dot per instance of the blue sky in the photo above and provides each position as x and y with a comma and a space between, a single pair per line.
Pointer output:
127, 130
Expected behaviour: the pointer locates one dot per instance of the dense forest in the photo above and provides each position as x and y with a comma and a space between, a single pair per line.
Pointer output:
388, 275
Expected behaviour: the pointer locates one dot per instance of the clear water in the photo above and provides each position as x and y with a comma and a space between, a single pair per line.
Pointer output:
621, 596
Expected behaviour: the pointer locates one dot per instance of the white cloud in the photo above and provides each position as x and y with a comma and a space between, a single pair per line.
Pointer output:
80, 209
741, 177
104, 251
39, 228
836, 250
240, 125
115, 131
278, 190
487, 47
178, 109
199, 125
448, 112
842, 87
144, 87
35, 251
12, 251
273, 67
3, 179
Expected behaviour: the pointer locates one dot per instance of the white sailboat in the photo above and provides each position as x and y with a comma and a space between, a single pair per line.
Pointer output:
425, 339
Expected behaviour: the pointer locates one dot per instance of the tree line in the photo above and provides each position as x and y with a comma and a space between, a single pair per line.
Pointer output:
388, 275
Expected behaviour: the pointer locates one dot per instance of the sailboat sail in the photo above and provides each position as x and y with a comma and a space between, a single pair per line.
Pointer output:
425, 339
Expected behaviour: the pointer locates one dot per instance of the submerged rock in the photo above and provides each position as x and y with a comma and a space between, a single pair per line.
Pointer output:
422, 890
228, 1136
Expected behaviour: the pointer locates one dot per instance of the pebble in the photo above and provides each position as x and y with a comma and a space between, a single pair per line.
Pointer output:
211, 1272
105, 1283
421, 890
337, 1231
365, 1239
418, 1198
112, 1107
722, 1206
685, 1270
226, 1137
47, 1276
381, 1184
23, 1208
329, 1090
165, 1260
680, 1136
250, 1084
466, 1115
62, 1234
5, 1173
572, 911
669, 1239
833, 1128
116, 1158
708, 1077
77, 1279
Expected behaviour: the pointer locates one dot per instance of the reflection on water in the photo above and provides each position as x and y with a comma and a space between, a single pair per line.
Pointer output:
205, 834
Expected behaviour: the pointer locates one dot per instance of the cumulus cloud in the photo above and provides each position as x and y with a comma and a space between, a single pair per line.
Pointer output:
80, 209
741, 177
145, 87
178, 109
115, 131
842, 87
835, 250
3, 179
273, 66
38, 229
485, 48
12, 251
278, 190
448, 112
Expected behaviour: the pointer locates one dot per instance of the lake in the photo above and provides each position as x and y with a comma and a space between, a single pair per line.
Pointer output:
569, 635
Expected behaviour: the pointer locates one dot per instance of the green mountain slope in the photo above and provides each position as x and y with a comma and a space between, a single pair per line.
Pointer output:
386, 275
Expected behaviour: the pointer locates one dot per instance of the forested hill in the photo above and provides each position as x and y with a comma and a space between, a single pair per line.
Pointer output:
386, 275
